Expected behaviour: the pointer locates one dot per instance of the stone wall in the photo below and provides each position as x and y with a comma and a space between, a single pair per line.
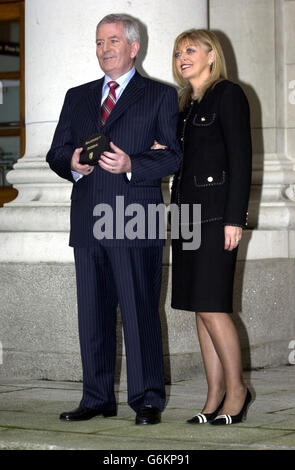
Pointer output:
39, 320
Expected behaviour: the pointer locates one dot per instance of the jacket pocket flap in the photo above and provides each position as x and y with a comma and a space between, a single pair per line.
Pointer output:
210, 179
204, 119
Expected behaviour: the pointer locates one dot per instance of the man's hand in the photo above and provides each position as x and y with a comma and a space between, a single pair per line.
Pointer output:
115, 162
232, 237
76, 166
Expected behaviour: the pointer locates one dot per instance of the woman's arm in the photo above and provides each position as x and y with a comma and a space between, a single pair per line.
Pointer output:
235, 123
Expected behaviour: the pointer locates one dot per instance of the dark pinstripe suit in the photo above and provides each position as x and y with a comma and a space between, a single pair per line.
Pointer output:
124, 271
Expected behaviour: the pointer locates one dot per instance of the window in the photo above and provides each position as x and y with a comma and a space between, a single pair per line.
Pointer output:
12, 109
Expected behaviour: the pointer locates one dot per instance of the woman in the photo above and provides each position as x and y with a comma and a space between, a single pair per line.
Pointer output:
214, 131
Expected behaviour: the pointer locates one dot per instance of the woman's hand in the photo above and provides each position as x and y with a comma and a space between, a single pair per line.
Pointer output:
158, 146
232, 237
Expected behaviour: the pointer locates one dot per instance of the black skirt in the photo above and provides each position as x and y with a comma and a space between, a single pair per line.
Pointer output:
202, 279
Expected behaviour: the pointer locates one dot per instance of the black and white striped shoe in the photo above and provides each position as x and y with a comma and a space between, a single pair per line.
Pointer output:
233, 419
202, 418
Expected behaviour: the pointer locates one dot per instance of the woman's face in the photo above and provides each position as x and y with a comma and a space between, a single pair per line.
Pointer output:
193, 60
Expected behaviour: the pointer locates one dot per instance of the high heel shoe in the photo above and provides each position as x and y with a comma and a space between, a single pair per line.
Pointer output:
202, 418
233, 419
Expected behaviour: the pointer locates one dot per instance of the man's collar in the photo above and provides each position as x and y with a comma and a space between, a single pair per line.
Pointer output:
121, 80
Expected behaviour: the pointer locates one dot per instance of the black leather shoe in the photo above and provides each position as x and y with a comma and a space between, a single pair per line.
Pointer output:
148, 415
81, 414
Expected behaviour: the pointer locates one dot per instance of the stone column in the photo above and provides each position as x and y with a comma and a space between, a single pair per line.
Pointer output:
60, 53
262, 72
289, 86
37, 279
276, 198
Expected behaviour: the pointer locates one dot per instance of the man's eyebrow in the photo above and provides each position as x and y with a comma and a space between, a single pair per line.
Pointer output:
110, 37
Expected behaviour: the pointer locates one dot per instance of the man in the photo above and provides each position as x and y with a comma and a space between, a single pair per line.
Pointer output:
133, 111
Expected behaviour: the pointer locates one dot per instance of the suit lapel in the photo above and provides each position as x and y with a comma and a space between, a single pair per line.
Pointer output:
94, 99
130, 95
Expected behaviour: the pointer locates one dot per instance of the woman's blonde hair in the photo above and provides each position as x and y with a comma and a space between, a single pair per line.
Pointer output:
217, 70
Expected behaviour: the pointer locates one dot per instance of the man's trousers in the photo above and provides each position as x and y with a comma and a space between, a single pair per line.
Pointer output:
131, 277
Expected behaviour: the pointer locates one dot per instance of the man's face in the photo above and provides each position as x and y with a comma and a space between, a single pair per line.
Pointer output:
115, 55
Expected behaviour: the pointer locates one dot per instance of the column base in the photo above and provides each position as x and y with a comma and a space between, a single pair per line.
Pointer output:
53, 247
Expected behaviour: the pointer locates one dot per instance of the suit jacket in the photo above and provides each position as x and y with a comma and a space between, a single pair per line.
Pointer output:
147, 110
216, 170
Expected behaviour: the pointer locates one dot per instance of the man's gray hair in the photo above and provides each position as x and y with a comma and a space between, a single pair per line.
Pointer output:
130, 25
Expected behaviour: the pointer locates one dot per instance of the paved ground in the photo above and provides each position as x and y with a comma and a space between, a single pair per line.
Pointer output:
29, 412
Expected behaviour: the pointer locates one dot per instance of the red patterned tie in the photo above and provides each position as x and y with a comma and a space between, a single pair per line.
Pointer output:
109, 102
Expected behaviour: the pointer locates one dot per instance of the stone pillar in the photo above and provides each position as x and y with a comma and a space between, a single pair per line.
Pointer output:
274, 176
60, 53
37, 279
262, 72
289, 85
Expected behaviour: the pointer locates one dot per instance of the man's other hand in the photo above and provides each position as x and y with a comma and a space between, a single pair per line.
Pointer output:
115, 162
